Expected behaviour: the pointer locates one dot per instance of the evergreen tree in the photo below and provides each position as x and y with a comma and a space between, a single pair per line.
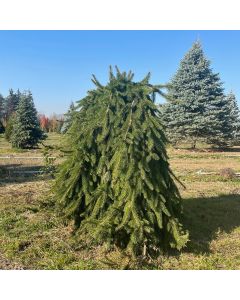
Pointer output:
9, 127
234, 118
116, 182
1, 107
26, 132
60, 124
11, 103
1, 114
68, 118
198, 110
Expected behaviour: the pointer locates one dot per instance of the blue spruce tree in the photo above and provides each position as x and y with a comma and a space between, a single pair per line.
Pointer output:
68, 118
234, 118
198, 109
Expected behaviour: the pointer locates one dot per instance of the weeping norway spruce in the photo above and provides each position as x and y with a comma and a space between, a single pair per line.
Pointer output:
116, 182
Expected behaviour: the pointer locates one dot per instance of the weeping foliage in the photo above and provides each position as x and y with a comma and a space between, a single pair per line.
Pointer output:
116, 182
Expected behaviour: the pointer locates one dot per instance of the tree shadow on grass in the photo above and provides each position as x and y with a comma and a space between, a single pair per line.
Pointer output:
205, 217
19, 173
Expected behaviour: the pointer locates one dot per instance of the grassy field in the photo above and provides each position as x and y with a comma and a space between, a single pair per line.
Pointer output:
32, 236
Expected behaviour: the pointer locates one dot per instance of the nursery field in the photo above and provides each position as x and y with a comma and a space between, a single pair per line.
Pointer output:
33, 236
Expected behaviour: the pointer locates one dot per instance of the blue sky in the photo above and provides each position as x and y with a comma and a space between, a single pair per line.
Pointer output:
57, 65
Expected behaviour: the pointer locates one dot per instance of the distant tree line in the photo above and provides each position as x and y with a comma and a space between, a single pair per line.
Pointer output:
58, 123
197, 109
54, 123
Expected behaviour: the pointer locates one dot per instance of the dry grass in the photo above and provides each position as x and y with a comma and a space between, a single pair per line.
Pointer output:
32, 236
